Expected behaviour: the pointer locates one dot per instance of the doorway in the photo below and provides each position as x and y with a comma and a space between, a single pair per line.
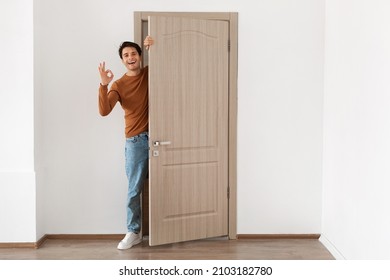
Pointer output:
141, 26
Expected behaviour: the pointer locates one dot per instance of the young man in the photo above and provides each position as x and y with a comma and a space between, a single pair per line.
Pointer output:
131, 91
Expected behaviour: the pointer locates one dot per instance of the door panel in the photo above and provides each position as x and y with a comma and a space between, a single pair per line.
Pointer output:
188, 116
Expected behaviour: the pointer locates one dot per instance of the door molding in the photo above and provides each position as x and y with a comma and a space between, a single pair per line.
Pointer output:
232, 19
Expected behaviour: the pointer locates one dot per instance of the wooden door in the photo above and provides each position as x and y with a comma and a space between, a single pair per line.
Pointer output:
188, 128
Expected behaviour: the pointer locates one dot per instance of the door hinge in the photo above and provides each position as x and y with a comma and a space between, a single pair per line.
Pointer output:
228, 192
228, 45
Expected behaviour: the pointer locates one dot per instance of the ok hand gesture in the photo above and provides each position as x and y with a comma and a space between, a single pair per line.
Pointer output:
106, 76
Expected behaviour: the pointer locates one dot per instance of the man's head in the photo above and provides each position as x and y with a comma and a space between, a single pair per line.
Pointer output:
130, 53
129, 45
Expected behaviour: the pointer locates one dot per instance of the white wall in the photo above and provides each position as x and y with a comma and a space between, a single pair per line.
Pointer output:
357, 129
280, 97
80, 172
17, 177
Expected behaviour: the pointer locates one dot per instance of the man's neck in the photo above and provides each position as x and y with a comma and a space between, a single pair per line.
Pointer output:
133, 72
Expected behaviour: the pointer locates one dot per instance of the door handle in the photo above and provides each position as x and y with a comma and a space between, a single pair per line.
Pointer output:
161, 143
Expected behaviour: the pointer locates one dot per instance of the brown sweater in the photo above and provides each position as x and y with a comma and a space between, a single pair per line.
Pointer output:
132, 94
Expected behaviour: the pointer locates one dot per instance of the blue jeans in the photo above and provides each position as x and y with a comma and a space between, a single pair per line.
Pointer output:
137, 161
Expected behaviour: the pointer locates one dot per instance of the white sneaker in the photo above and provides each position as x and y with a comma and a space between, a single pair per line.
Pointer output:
129, 241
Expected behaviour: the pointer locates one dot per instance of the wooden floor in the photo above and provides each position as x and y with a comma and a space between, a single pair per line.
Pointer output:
210, 249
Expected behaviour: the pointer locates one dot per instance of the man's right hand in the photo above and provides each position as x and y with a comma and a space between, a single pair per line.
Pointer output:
106, 76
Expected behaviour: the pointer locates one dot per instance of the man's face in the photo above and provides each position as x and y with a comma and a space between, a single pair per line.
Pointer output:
131, 59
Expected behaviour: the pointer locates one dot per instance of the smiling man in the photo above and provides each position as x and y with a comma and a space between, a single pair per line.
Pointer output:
131, 91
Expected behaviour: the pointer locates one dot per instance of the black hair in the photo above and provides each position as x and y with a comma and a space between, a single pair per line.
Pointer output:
129, 44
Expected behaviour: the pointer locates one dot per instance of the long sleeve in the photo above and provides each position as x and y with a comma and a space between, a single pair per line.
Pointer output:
107, 99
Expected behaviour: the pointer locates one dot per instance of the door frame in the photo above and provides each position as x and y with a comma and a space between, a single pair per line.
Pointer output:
232, 19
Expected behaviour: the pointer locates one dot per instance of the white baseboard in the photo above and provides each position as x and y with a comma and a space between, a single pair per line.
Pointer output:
331, 248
